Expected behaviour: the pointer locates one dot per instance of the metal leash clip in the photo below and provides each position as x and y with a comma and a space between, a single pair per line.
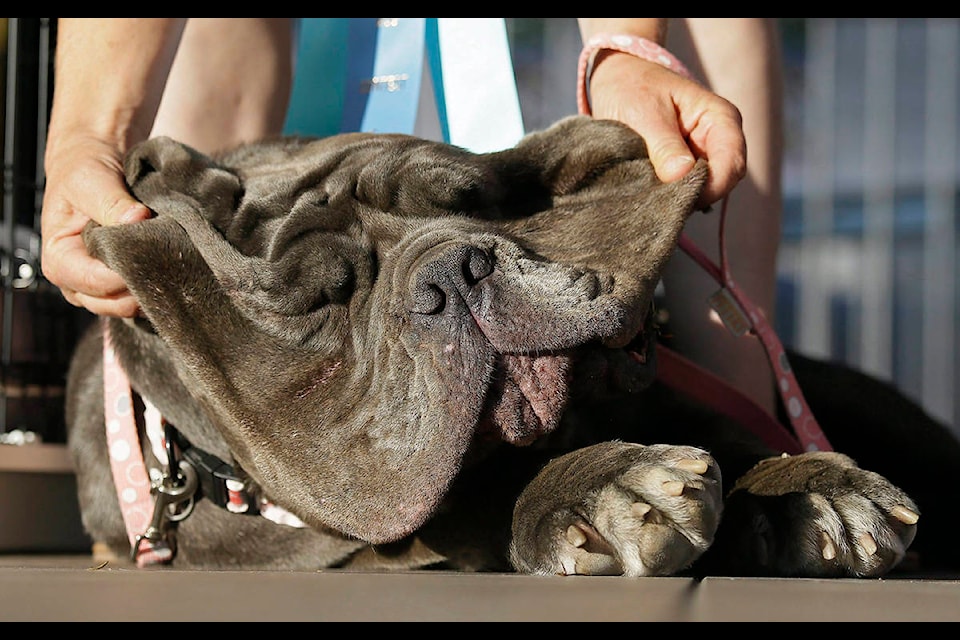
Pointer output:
174, 501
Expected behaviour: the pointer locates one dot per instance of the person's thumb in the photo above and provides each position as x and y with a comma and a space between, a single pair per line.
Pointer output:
124, 210
670, 156
109, 201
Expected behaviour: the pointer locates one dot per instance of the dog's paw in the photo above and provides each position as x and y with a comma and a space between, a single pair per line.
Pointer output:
816, 515
618, 509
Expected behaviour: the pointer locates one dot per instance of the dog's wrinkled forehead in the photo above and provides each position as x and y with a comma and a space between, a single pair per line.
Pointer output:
249, 194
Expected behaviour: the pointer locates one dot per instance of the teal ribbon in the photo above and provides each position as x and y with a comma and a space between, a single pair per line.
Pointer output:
317, 95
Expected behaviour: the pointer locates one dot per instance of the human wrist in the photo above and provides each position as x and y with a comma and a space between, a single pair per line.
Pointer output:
654, 29
596, 47
119, 129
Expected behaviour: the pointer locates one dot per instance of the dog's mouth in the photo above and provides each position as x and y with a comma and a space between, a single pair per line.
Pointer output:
530, 393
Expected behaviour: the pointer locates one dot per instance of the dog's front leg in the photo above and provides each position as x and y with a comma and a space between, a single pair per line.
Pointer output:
618, 508
816, 514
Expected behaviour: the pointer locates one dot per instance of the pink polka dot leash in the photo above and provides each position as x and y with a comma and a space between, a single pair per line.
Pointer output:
134, 486
738, 312
151, 500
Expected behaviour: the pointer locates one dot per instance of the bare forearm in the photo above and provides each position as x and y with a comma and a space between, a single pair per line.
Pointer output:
650, 28
110, 75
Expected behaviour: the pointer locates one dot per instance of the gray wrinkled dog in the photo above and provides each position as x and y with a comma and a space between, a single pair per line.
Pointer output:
433, 358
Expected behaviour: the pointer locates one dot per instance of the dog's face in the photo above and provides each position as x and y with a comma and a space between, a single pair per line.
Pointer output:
358, 313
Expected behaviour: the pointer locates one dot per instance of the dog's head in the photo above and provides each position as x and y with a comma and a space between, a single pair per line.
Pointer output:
356, 312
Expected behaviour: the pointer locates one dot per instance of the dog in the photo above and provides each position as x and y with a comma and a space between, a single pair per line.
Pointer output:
426, 358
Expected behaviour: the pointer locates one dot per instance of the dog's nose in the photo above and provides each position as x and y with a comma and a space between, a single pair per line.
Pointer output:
446, 271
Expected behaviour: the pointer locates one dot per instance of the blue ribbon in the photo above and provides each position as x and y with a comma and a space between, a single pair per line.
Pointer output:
365, 74
384, 71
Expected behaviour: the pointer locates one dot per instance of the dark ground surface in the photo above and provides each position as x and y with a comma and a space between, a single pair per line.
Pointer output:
75, 588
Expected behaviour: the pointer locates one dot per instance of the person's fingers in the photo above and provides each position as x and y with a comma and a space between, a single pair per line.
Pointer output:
679, 119
104, 197
86, 281
669, 154
67, 264
717, 135
125, 306
84, 185
94, 187
633, 91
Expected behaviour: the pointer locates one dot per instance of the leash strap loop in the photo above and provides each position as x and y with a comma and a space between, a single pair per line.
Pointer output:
804, 424
739, 313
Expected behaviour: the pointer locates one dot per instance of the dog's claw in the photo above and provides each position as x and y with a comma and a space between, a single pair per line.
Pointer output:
590, 555
868, 543
640, 509
576, 536
693, 466
904, 515
827, 548
673, 488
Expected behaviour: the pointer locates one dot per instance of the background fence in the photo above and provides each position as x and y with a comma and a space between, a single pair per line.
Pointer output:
869, 265
37, 327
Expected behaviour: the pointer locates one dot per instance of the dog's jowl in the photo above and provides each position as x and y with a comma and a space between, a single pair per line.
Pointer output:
376, 351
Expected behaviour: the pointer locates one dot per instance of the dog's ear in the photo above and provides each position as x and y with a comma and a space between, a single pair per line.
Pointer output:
161, 169
575, 151
607, 209
209, 303
158, 258
579, 153
220, 232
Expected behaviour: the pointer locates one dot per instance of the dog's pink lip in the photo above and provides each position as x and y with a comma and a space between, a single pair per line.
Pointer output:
529, 397
530, 392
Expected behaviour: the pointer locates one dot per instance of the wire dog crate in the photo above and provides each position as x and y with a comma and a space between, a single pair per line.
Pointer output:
38, 328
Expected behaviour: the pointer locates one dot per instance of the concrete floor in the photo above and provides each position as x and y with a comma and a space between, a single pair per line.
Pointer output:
74, 588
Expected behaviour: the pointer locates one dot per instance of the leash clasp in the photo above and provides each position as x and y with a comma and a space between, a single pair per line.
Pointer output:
174, 501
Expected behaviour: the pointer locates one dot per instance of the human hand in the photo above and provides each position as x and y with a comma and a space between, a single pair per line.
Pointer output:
680, 120
84, 181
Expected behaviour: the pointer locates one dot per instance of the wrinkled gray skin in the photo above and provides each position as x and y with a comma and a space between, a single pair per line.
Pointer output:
391, 337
